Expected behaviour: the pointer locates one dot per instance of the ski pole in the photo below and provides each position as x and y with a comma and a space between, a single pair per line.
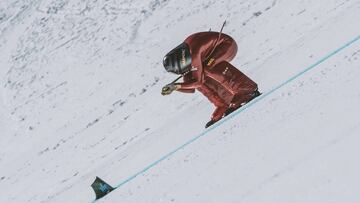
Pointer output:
176, 79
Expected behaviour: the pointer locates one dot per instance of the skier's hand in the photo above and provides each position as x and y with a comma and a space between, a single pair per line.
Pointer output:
168, 89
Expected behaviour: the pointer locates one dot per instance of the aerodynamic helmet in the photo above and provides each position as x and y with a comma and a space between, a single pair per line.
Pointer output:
178, 60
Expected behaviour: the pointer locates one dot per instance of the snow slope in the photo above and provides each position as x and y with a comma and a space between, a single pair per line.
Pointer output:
80, 92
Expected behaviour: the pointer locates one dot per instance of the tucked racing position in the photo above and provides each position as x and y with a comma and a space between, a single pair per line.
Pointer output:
203, 61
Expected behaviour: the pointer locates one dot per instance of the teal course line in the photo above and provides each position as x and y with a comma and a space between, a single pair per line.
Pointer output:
235, 113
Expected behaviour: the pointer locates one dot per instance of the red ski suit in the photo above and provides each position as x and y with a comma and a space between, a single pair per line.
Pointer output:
223, 84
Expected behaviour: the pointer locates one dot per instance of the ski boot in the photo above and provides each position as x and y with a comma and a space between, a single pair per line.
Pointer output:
217, 115
232, 109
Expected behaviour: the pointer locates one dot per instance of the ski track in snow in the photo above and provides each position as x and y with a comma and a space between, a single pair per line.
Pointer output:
80, 84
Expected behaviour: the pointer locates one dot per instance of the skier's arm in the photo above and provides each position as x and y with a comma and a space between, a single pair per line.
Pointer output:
186, 90
197, 65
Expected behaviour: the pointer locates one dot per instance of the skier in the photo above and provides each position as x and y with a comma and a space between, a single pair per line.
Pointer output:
203, 61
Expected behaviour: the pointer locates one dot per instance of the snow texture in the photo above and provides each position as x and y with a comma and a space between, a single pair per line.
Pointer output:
80, 98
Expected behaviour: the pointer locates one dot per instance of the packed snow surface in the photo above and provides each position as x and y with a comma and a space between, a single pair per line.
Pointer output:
80, 98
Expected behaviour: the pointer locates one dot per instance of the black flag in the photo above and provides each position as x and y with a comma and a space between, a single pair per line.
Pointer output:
101, 188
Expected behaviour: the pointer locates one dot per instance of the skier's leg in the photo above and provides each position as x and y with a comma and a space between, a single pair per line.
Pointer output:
225, 51
240, 100
244, 96
220, 105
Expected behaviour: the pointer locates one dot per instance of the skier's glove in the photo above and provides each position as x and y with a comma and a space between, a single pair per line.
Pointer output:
168, 89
